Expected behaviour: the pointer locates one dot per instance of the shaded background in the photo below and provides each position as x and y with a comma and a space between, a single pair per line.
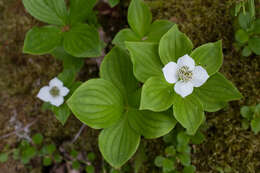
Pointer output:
227, 145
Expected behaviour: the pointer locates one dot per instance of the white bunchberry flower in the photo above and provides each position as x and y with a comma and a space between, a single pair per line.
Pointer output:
53, 93
185, 75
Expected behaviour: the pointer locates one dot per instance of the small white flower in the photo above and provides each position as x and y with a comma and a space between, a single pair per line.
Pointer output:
53, 93
185, 74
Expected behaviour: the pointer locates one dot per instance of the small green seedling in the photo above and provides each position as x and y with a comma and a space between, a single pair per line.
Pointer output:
251, 115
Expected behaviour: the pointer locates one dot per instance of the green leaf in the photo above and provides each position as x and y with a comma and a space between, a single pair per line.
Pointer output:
246, 51
151, 124
255, 125
51, 148
157, 95
209, 56
37, 138
118, 143
117, 68
216, 91
198, 138
90, 169
189, 169
139, 17
74, 153
170, 151
113, 3
80, 10
49, 11
3, 157
245, 124
43, 40
159, 161
140, 158
75, 165
82, 40
57, 158
125, 35
97, 103
254, 44
242, 36
173, 45
251, 7
256, 26
145, 60
185, 159
62, 113
247, 112
47, 161
188, 112
91, 156
168, 165
183, 138
244, 20
27, 154
158, 29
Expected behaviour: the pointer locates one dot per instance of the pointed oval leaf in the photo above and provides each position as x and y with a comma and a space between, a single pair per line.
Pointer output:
97, 103
188, 112
216, 91
151, 124
125, 35
62, 113
82, 40
157, 95
43, 40
48, 11
173, 45
209, 56
80, 10
118, 143
158, 29
139, 17
145, 60
117, 68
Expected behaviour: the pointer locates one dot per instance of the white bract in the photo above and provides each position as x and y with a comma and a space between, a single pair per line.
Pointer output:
54, 93
185, 75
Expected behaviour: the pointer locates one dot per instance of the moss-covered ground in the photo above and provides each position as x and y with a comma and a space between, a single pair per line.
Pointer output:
227, 145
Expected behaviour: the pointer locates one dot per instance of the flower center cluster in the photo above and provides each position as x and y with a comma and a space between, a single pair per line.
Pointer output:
185, 74
54, 91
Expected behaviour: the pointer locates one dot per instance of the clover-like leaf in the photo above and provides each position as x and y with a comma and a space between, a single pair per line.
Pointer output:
97, 103
139, 17
209, 56
216, 92
157, 95
42, 40
82, 40
151, 124
118, 143
173, 45
145, 59
49, 11
188, 112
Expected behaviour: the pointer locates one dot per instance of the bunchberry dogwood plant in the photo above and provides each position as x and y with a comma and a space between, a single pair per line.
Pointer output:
54, 93
175, 75
185, 74
66, 29
179, 83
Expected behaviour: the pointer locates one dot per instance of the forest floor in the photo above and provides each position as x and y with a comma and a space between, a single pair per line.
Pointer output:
227, 145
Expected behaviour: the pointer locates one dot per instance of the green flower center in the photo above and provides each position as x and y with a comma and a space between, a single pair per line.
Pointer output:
54, 91
185, 74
